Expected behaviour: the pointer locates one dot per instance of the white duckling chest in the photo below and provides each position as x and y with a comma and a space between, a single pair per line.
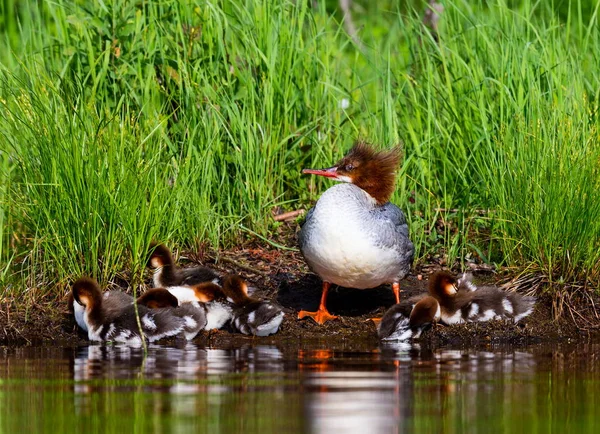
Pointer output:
78, 312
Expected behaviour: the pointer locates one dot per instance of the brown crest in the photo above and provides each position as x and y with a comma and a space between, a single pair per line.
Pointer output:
373, 171
442, 284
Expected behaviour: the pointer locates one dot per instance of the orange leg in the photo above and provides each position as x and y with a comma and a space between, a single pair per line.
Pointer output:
396, 288
321, 315
376, 321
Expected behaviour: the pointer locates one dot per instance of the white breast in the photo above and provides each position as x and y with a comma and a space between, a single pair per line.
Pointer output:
217, 315
452, 317
340, 243
184, 294
78, 311
271, 327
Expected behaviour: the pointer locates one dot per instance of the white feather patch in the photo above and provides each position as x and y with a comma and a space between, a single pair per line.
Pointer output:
465, 281
402, 332
134, 341
79, 311
270, 327
94, 333
455, 318
184, 294
217, 315
507, 305
190, 322
148, 322
343, 178
488, 315
111, 331
474, 311
122, 336
523, 315
165, 333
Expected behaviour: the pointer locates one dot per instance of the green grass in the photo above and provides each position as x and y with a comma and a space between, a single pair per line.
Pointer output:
125, 122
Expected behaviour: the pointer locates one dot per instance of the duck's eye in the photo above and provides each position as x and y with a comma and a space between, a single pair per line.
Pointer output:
349, 167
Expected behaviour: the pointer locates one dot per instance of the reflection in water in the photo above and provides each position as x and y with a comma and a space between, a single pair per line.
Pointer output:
183, 381
256, 388
352, 401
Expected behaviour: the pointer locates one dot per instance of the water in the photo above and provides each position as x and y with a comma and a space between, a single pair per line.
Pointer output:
280, 389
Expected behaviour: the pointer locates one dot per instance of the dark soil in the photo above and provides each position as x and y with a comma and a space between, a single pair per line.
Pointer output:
283, 276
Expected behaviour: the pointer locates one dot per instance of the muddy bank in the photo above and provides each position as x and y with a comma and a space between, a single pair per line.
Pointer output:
283, 276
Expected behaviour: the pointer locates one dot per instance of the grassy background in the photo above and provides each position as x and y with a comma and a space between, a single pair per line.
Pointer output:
124, 122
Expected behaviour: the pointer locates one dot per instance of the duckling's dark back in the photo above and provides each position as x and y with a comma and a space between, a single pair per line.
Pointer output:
395, 323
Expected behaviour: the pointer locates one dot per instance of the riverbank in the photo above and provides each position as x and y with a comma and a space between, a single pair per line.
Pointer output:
283, 276
193, 125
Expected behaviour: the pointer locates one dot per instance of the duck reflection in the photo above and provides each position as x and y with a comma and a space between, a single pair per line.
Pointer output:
354, 392
383, 391
356, 402
175, 370
319, 389
355, 388
186, 362
185, 381
487, 382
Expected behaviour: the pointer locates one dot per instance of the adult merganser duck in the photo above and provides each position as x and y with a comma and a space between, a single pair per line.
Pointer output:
251, 316
111, 300
107, 322
219, 310
193, 313
166, 273
354, 237
405, 320
461, 301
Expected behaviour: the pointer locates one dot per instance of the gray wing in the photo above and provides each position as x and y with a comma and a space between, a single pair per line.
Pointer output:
392, 231
194, 318
308, 216
395, 323
114, 302
302, 235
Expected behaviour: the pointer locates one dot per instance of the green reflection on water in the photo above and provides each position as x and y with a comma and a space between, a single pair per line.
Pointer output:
116, 409
539, 389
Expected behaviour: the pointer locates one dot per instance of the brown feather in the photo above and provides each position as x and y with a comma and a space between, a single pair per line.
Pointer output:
442, 285
208, 291
424, 311
157, 298
371, 170
87, 293
236, 288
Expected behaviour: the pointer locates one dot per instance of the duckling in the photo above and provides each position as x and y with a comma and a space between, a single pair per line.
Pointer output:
112, 300
459, 302
515, 306
218, 310
106, 321
407, 320
192, 313
251, 316
166, 273
354, 236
